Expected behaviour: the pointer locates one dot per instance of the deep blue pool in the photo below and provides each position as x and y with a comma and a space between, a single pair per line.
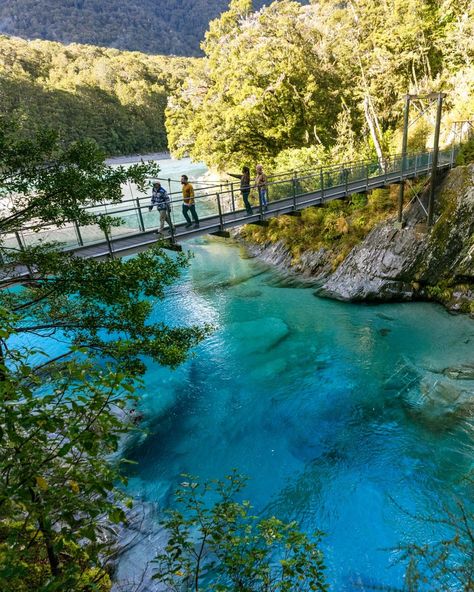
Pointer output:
339, 414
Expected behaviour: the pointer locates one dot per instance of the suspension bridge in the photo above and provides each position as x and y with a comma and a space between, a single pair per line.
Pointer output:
220, 207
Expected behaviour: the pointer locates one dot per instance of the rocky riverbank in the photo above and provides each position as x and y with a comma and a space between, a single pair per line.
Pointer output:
401, 264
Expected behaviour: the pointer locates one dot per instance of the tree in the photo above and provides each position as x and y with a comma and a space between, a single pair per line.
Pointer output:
58, 494
103, 306
445, 562
59, 422
381, 51
215, 543
262, 87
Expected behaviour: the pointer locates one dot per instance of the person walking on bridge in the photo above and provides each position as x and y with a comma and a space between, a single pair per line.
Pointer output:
261, 184
161, 200
188, 202
244, 188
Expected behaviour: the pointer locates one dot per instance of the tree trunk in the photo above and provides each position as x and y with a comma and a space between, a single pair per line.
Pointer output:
3, 370
373, 131
47, 535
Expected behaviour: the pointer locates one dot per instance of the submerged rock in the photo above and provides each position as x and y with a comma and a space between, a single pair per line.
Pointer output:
261, 335
431, 398
437, 401
440, 404
463, 372
138, 544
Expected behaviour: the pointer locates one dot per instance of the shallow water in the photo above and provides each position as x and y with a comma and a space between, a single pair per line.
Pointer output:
327, 407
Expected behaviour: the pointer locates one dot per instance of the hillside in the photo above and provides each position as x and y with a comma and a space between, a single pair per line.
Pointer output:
152, 26
117, 98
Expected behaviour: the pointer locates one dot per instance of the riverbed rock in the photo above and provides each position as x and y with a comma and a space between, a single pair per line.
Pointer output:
261, 335
439, 403
462, 372
316, 265
380, 268
139, 541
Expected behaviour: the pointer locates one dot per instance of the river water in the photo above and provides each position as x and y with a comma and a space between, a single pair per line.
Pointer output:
339, 414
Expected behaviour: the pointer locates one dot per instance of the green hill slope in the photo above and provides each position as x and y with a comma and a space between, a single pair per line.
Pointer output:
152, 26
117, 98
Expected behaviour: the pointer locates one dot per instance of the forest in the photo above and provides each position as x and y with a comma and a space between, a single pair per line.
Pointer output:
152, 26
114, 97
296, 86
289, 84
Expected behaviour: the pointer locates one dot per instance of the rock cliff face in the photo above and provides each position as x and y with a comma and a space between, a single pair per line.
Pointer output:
394, 264
412, 262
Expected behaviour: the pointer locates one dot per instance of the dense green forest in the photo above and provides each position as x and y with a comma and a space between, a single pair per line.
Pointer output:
116, 98
152, 26
296, 86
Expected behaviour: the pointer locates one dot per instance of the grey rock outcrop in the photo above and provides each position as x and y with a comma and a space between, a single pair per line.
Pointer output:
410, 262
314, 264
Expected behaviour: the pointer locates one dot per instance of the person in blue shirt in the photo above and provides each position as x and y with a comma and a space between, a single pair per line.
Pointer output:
161, 200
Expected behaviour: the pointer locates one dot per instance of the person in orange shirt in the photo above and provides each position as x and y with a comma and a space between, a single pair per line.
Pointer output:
188, 202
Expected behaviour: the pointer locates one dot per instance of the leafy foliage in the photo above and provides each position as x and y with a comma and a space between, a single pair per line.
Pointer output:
215, 543
61, 418
57, 493
275, 99
116, 98
466, 154
328, 77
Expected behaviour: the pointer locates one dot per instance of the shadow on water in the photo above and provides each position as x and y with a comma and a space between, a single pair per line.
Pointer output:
162, 432
283, 280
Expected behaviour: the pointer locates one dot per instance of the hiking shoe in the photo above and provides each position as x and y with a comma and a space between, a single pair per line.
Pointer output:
196, 225
188, 225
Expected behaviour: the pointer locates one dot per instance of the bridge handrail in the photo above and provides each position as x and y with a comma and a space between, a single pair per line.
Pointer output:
346, 165
328, 178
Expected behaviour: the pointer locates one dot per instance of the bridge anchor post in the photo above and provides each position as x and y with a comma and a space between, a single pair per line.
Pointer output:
219, 208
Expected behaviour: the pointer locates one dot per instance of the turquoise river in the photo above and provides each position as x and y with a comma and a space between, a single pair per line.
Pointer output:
339, 414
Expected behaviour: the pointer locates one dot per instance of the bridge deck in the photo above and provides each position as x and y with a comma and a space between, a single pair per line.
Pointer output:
138, 241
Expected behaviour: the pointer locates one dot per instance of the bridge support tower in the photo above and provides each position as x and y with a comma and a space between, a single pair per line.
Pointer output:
432, 98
